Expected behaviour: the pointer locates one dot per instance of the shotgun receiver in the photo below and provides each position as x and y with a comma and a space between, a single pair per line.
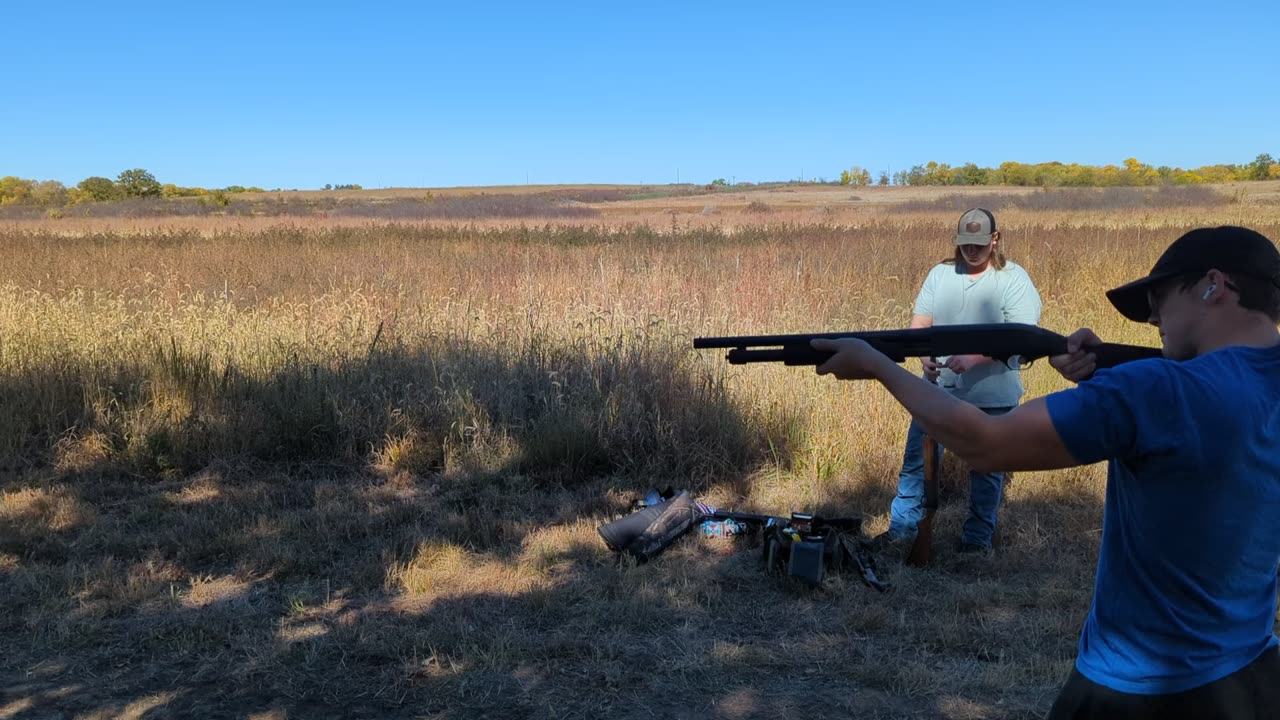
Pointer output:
999, 341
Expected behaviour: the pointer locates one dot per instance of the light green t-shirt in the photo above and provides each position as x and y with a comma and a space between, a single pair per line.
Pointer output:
951, 297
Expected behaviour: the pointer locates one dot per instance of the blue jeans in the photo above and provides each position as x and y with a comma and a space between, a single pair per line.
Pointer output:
907, 509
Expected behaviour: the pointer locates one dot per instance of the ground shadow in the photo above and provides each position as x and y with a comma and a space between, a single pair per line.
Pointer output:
294, 578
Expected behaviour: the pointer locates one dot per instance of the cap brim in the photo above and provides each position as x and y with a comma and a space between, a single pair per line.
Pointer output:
1131, 298
962, 239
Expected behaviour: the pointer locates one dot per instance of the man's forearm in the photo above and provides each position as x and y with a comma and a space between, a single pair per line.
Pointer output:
959, 426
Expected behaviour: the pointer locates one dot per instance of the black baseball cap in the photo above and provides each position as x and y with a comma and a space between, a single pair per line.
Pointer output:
1230, 249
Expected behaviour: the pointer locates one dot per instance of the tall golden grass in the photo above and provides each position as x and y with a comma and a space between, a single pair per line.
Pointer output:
440, 347
280, 445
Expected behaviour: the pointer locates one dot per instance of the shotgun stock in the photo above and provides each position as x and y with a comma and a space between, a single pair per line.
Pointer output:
922, 549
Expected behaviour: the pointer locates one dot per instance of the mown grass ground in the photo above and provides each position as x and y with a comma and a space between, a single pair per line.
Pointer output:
310, 470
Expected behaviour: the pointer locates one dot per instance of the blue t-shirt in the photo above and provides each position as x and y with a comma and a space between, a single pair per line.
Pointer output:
1186, 584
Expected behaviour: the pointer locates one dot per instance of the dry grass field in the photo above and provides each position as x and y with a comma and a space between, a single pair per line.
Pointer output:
265, 467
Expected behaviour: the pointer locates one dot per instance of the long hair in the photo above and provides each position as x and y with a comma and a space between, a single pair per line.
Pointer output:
997, 255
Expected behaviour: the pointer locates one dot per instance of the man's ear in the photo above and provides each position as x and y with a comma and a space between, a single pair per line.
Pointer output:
1215, 288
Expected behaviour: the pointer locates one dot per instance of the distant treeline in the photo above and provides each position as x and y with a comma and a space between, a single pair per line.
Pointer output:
1055, 174
135, 183
1078, 199
553, 204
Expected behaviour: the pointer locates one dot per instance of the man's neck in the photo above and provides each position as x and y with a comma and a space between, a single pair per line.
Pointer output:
1244, 330
976, 269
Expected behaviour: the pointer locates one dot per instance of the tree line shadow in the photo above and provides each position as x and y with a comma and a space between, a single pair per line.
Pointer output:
198, 541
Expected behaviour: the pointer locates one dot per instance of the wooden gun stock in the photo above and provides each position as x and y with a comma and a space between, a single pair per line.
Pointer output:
922, 549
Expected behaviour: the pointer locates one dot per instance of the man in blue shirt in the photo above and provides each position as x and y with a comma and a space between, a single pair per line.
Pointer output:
1184, 605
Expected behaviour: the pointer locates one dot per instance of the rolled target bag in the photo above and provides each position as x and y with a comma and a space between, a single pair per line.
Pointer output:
645, 533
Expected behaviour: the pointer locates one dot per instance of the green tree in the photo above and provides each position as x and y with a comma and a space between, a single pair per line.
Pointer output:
138, 183
969, 174
1261, 167
98, 189
884, 178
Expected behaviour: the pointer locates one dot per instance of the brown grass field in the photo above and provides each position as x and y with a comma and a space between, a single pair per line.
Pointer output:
338, 467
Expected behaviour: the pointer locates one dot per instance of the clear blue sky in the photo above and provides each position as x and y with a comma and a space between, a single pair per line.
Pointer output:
297, 95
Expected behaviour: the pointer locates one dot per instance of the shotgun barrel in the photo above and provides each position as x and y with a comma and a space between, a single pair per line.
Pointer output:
999, 341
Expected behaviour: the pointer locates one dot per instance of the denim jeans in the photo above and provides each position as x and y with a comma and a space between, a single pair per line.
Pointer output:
907, 509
